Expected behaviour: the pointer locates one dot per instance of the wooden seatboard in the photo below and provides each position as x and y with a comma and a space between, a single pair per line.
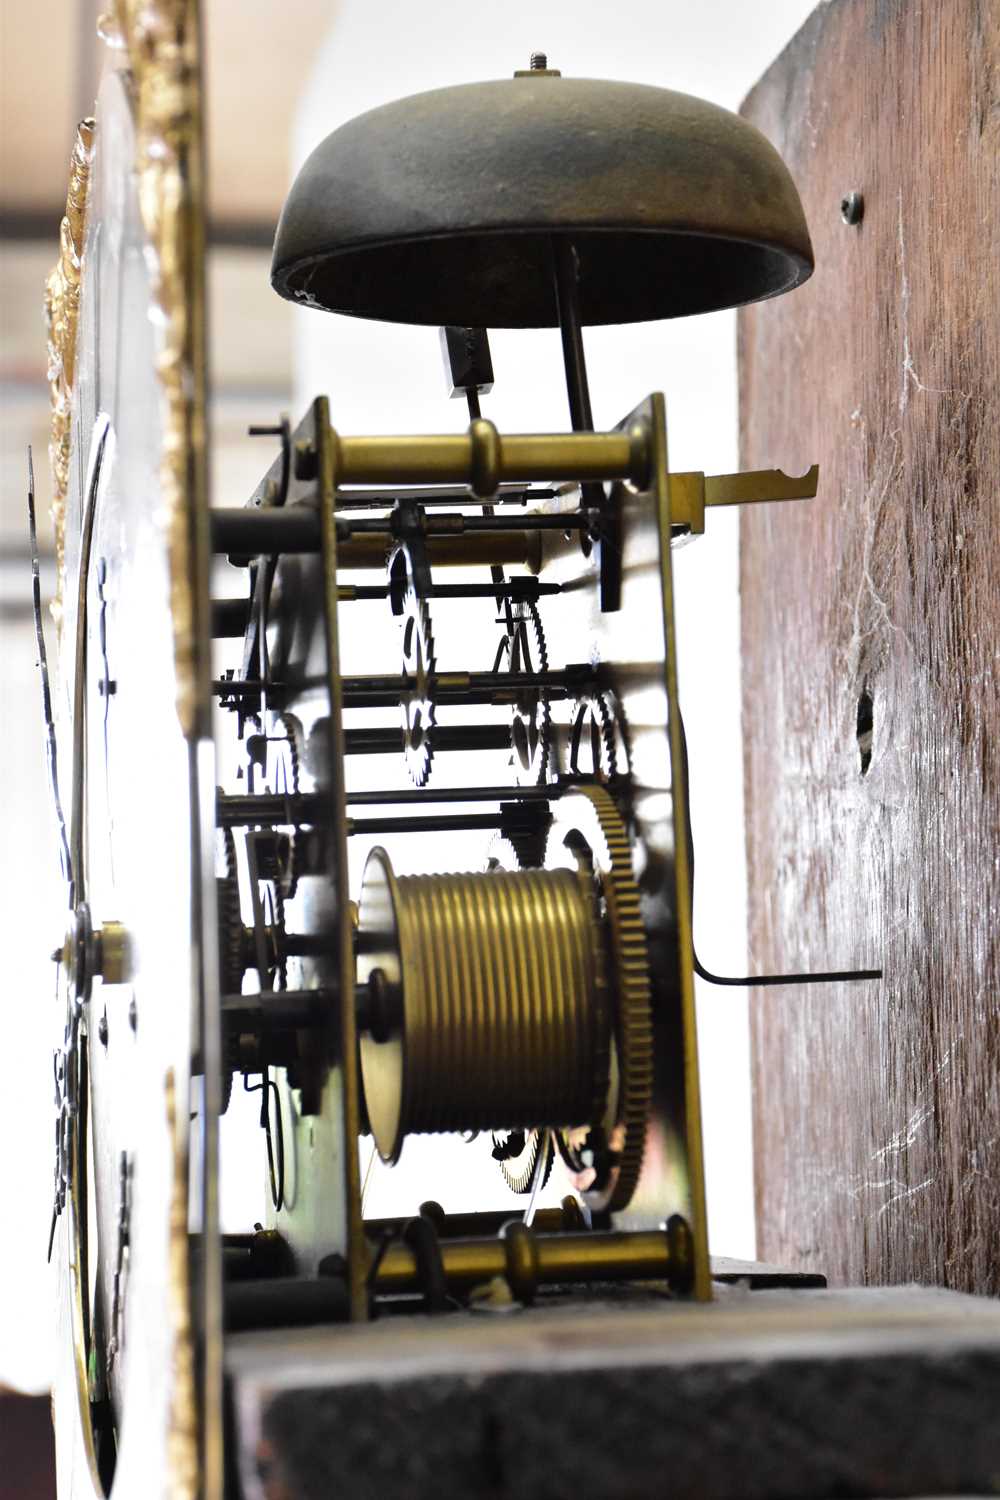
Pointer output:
759, 1394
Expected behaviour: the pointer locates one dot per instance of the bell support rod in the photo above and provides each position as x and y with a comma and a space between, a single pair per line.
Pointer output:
566, 274
568, 306
567, 288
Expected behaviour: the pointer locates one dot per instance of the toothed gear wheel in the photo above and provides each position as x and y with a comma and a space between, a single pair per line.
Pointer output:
594, 736
531, 716
293, 734
518, 1151
289, 772
590, 811
416, 703
230, 920
277, 924
230, 953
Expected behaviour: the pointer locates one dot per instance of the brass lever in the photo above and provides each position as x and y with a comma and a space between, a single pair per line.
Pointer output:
690, 493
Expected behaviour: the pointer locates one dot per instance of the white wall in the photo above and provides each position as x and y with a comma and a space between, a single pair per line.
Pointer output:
383, 377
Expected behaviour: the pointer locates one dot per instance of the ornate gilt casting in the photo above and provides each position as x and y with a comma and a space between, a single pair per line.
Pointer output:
62, 304
160, 39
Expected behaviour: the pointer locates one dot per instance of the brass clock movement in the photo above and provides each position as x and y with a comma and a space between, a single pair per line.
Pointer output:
374, 785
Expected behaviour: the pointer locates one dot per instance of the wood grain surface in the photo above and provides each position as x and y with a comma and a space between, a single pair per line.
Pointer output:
875, 611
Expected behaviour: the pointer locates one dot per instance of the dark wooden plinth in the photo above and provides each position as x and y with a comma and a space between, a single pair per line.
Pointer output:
763, 1394
871, 622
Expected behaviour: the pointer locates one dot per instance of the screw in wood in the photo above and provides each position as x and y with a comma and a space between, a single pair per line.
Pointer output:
852, 208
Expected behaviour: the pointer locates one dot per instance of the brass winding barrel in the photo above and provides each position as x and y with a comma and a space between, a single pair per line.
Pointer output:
501, 1016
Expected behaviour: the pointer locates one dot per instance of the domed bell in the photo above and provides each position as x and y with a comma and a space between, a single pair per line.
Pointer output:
443, 208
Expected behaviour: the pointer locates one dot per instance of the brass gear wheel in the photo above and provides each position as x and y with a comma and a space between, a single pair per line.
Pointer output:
287, 780
590, 812
293, 760
416, 703
531, 716
274, 910
594, 733
230, 919
230, 952
517, 1152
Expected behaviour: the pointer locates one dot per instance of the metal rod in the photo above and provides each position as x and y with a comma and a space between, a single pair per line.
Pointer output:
512, 588
485, 459
517, 589
576, 678
528, 1260
567, 288
521, 547
437, 823
458, 525
444, 687
286, 1302
230, 618
236, 687
268, 811
485, 1222
305, 945
360, 593
459, 494
261, 530
460, 737
470, 698
288, 1009
568, 307
401, 797
754, 981
467, 687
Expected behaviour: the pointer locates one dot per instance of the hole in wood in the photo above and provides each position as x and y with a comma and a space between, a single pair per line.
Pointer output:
866, 727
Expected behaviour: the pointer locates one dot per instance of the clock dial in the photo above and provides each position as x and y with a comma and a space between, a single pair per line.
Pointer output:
125, 1398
